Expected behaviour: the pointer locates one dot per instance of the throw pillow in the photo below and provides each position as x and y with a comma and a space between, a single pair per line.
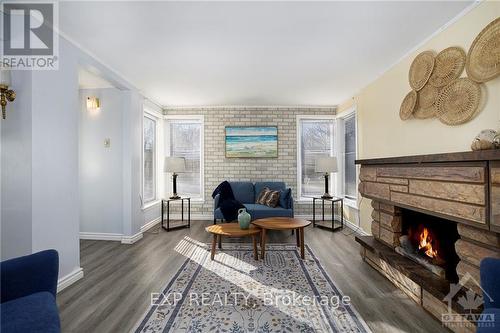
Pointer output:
269, 198
262, 195
284, 197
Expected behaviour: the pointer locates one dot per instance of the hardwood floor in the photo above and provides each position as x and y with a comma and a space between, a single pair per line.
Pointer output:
115, 292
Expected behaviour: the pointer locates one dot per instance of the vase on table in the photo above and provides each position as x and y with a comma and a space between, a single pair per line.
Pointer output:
244, 218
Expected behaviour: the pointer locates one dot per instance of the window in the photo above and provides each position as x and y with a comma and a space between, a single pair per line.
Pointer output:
350, 190
184, 138
149, 159
315, 139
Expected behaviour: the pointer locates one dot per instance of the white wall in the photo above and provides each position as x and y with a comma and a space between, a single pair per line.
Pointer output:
40, 164
101, 181
55, 160
16, 171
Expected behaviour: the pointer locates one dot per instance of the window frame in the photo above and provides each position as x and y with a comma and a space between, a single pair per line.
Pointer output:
333, 179
201, 120
152, 116
351, 112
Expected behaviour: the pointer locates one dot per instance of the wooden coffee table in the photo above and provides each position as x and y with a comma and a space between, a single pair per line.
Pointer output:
282, 223
232, 230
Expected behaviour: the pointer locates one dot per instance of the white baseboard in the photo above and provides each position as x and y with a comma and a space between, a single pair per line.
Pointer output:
101, 236
150, 224
131, 239
69, 279
355, 228
115, 237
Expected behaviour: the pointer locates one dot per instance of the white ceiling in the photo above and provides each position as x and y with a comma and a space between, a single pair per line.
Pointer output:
252, 53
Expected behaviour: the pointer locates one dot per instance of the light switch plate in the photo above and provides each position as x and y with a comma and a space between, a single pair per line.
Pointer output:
107, 143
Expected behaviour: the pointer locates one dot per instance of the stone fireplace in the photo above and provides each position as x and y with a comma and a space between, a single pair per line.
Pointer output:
434, 218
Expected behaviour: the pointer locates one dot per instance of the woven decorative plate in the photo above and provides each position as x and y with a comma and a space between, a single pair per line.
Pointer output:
458, 102
427, 96
483, 59
408, 105
421, 113
449, 65
421, 70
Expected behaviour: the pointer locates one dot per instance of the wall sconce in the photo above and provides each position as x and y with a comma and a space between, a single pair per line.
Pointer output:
93, 103
6, 94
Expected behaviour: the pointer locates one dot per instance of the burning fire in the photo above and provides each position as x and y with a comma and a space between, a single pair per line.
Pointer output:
425, 244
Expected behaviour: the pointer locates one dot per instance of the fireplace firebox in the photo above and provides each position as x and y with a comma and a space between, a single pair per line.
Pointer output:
430, 241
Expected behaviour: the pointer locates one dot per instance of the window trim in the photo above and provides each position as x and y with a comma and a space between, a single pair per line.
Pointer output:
333, 180
201, 119
351, 112
147, 204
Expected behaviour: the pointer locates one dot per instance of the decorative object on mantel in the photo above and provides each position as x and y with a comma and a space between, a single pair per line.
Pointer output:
427, 97
458, 102
496, 140
408, 105
449, 66
485, 140
483, 59
421, 70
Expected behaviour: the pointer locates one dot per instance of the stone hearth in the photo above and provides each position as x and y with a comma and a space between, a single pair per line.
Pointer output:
460, 187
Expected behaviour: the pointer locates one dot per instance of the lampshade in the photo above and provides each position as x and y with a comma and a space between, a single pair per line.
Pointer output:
326, 164
4, 75
174, 164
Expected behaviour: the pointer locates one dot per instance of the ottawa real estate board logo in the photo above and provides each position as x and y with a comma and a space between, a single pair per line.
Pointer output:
29, 35
470, 303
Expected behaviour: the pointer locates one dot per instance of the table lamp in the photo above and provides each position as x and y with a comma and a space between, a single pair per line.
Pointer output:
174, 165
326, 165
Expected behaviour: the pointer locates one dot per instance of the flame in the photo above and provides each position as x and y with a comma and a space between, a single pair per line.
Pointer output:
426, 244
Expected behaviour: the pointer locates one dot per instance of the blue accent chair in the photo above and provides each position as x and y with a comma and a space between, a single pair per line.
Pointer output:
490, 283
247, 192
28, 294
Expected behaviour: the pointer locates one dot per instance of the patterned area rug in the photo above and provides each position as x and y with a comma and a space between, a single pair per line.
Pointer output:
235, 293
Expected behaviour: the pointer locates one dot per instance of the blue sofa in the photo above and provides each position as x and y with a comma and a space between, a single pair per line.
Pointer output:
490, 283
28, 294
247, 192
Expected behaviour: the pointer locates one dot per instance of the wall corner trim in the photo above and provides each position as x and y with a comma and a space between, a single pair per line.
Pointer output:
69, 279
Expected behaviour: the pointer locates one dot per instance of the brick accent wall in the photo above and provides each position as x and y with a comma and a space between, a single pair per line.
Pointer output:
218, 168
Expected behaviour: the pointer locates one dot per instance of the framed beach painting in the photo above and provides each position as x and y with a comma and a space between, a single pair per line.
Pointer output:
252, 141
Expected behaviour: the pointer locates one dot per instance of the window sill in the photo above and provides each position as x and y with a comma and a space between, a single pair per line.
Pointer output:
151, 204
